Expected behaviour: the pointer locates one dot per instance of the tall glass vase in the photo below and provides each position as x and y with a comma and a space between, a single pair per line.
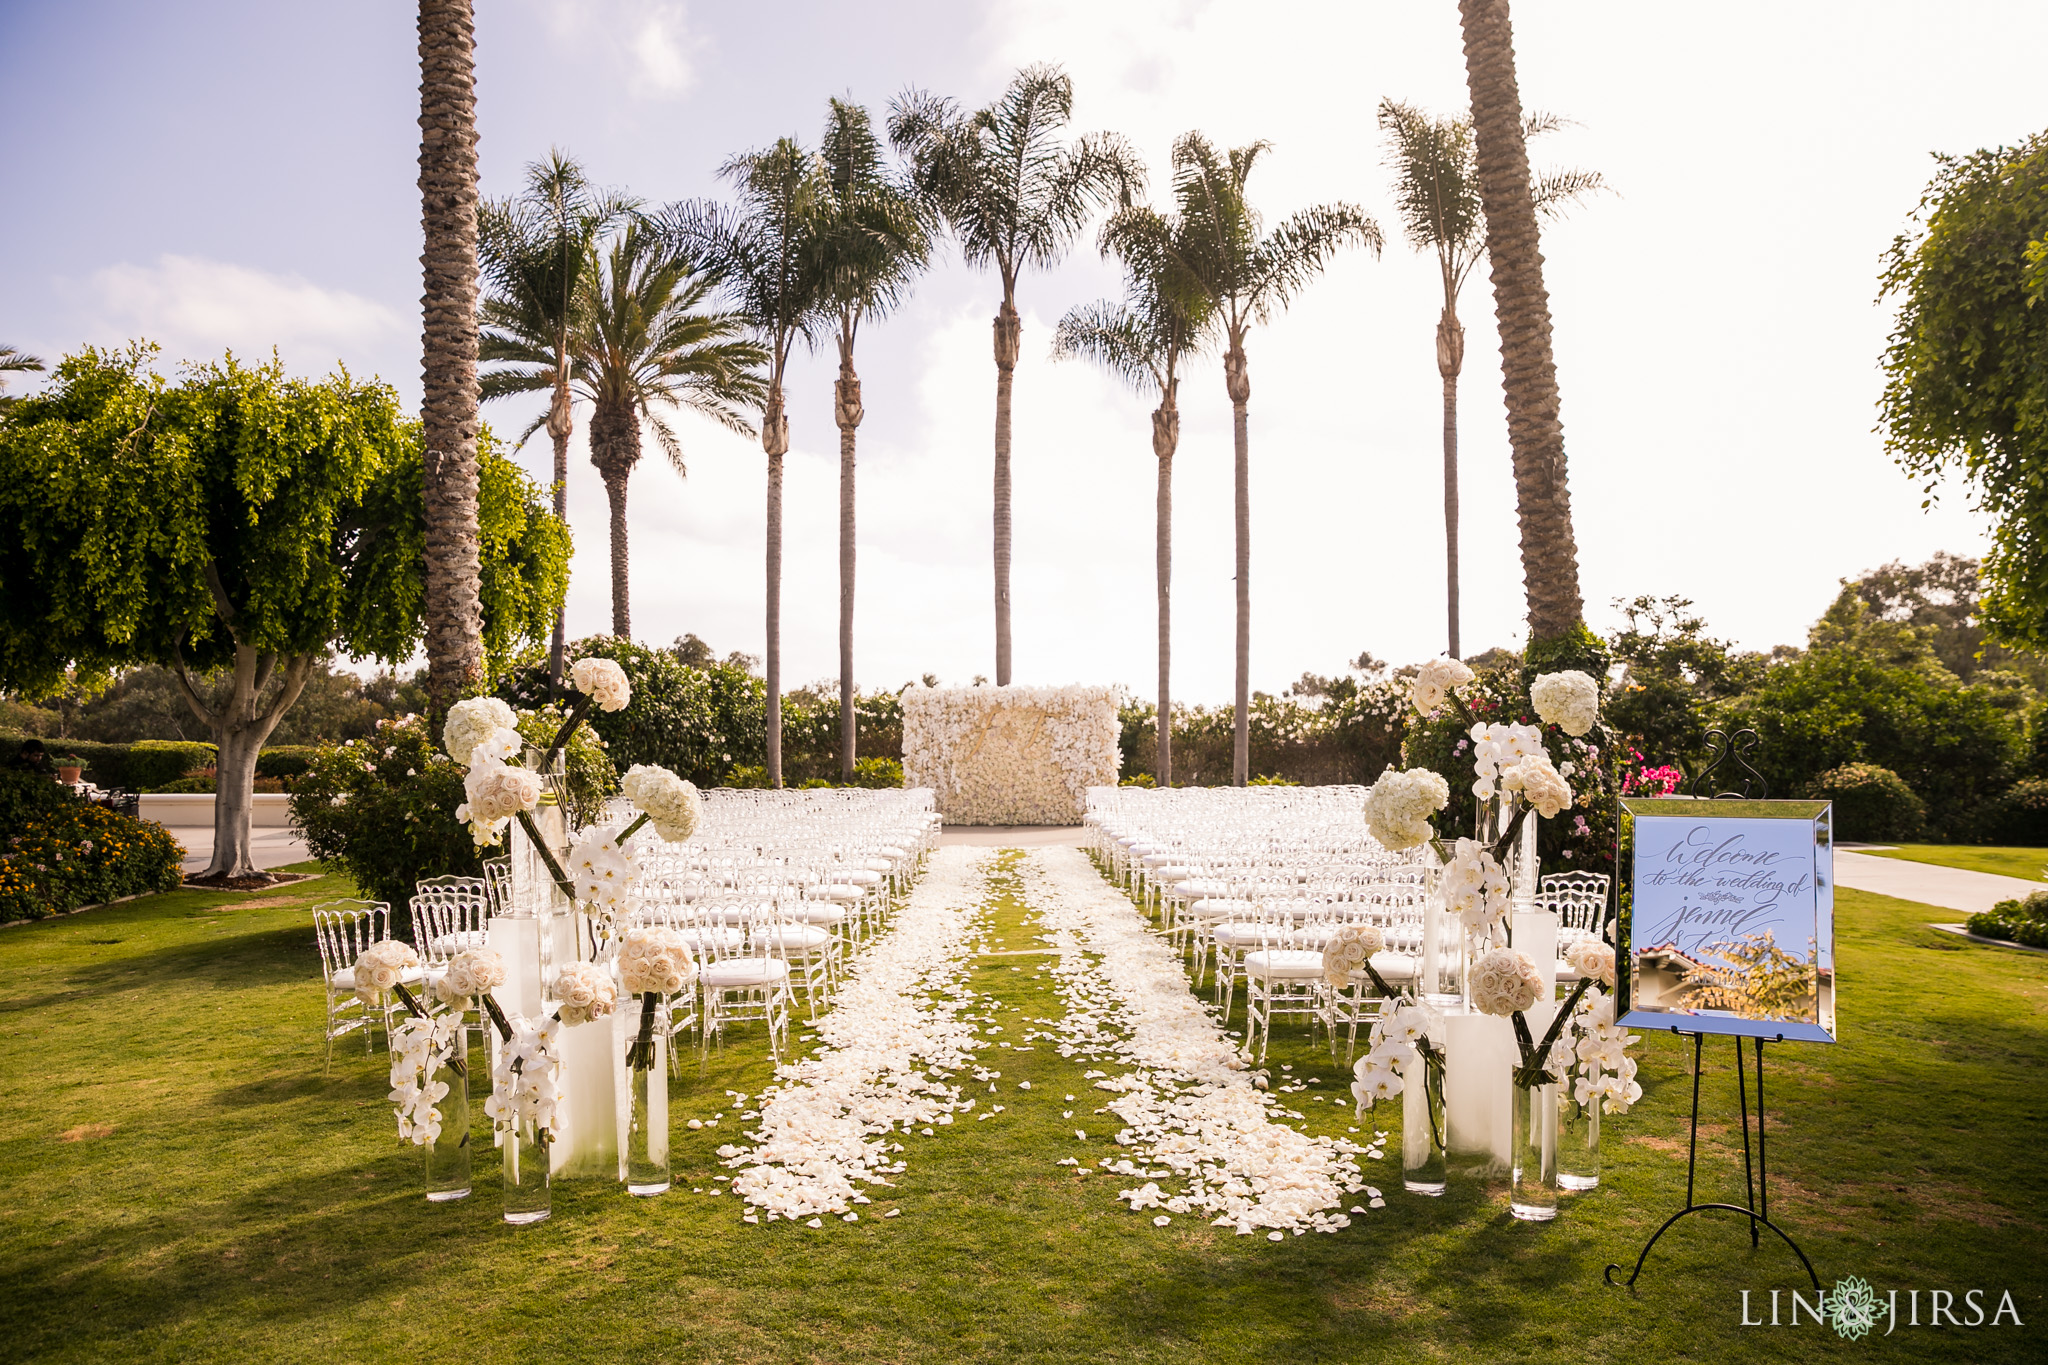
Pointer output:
1423, 1167
1533, 1142
1578, 1144
448, 1154
1523, 864
527, 1196
644, 1144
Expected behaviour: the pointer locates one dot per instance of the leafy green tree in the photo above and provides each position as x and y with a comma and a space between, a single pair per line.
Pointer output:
239, 520
1436, 191
1225, 261
1966, 369
644, 340
1143, 341
1675, 678
763, 250
872, 240
534, 249
1015, 197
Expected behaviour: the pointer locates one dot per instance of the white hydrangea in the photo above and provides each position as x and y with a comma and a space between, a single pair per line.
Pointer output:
1505, 980
586, 992
672, 805
1348, 950
1398, 807
1475, 886
1541, 785
603, 681
471, 973
382, 966
655, 959
472, 722
1569, 700
1434, 681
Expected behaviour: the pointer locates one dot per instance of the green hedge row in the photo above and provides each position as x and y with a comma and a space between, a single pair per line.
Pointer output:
62, 853
157, 764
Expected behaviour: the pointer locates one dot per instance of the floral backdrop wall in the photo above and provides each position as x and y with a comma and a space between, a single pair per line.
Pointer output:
1010, 755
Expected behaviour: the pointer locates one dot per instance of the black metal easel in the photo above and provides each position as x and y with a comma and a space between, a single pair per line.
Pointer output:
1756, 1178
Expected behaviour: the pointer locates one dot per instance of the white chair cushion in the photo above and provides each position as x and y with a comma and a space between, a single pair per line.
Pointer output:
345, 979
1284, 964
1246, 935
821, 912
1171, 874
861, 876
737, 972
841, 891
891, 851
880, 865
1216, 909
725, 936
1158, 859
448, 945
1394, 966
801, 938
1198, 888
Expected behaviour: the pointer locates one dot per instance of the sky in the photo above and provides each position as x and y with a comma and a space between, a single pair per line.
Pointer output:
241, 175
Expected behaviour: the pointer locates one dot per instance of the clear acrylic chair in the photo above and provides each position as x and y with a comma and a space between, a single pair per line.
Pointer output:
343, 929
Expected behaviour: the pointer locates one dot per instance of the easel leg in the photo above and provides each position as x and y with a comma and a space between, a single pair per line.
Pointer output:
1748, 1174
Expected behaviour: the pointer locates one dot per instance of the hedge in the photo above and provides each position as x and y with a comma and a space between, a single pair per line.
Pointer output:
62, 853
161, 764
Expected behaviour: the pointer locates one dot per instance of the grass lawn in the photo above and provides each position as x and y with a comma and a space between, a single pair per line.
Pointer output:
184, 1183
2027, 863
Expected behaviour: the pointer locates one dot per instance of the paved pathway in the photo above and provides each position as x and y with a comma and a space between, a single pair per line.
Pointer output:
1951, 888
269, 845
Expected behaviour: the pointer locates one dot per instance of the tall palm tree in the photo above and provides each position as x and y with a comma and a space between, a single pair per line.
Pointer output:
763, 252
14, 360
1550, 557
1224, 257
643, 342
1014, 196
448, 381
533, 249
1143, 341
872, 241
1436, 190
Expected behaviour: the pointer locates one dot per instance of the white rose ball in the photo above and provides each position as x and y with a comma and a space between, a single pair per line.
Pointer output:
603, 681
1591, 958
585, 992
382, 966
498, 791
1541, 785
1504, 981
656, 960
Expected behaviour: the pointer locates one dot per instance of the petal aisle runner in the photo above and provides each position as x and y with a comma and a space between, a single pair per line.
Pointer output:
891, 1040
1186, 1098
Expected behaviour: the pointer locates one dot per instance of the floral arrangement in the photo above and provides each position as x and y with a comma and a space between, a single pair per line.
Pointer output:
1434, 681
1570, 700
1399, 805
585, 992
672, 805
1348, 954
421, 1045
472, 973
380, 968
1663, 780
1506, 982
1011, 755
1475, 886
653, 962
602, 869
1598, 1066
525, 1082
1399, 1036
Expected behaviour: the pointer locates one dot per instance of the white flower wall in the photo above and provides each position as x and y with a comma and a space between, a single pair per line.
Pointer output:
1010, 755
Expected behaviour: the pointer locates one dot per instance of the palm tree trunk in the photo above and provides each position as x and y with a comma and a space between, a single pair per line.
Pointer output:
1009, 333
1165, 441
622, 602
559, 430
1450, 359
1237, 379
1550, 569
615, 450
775, 441
847, 410
449, 397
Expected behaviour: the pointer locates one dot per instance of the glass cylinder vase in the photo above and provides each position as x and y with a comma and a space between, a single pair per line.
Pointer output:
1423, 1167
1578, 1144
527, 1196
448, 1153
644, 1144
1533, 1142
1523, 865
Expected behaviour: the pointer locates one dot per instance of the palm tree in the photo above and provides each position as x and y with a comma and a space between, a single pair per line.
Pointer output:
533, 250
1436, 189
763, 252
643, 341
1550, 562
1143, 341
14, 360
448, 380
1014, 196
872, 241
1223, 257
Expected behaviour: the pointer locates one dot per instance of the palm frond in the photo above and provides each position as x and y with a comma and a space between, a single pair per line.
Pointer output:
14, 360
1556, 191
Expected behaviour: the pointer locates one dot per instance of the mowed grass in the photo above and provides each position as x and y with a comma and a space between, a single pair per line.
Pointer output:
184, 1183
2030, 864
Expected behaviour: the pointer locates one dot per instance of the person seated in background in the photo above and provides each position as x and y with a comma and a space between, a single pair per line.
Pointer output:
34, 758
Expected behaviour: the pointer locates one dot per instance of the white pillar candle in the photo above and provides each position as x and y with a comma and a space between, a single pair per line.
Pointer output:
587, 1142
1479, 1053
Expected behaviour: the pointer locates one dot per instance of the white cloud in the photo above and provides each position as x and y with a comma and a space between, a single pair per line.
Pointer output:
652, 45
198, 308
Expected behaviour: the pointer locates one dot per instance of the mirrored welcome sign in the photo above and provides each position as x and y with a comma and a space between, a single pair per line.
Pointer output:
1727, 917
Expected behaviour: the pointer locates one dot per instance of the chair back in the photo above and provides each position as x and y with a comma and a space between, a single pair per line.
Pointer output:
1579, 899
449, 915
344, 928
498, 881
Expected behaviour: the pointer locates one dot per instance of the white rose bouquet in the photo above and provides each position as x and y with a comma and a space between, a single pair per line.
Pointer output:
471, 973
382, 967
653, 962
1541, 785
1435, 681
586, 992
498, 792
1349, 952
603, 681
1507, 982
1590, 957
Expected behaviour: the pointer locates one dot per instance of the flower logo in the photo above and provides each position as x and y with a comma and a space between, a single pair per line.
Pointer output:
1852, 1308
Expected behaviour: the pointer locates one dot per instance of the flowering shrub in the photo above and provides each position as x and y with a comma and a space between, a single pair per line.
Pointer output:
64, 854
1663, 780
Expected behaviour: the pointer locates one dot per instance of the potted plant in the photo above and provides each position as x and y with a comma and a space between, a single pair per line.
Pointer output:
69, 767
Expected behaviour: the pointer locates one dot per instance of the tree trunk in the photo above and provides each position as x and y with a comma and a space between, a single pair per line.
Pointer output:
1450, 359
449, 397
1165, 441
847, 410
1237, 379
559, 430
615, 450
1009, 333
1550, 569
239, 730
775, 441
